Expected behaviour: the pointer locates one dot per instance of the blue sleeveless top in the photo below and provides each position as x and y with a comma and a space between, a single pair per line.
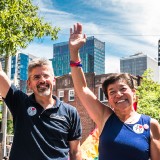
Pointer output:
120, 141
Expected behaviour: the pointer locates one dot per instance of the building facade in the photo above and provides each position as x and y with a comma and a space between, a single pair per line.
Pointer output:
92, 55
2, 60
138, 63
19, 70
64, 89
19, 75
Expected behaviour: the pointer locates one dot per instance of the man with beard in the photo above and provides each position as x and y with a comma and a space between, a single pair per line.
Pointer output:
44, 127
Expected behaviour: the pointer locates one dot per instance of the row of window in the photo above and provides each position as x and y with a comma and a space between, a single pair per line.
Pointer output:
71, 95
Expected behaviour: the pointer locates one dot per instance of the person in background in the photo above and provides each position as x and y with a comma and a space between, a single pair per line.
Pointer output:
124, 133
44, 127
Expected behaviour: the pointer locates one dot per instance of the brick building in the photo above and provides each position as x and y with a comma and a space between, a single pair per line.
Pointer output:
64, 89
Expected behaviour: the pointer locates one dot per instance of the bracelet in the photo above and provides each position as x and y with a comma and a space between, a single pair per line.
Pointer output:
75, 64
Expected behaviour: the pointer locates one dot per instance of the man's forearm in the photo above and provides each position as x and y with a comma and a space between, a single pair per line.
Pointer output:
76, 156
5, 84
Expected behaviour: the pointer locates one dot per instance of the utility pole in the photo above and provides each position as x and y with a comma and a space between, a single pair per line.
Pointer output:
4, 114
4, 129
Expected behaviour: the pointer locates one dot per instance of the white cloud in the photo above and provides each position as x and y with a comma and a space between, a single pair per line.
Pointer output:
138, 17
53, 11
122, 43
56, 17
39, 50
112, 64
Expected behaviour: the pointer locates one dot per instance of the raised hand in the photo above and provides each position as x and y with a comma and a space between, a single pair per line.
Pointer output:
77, 39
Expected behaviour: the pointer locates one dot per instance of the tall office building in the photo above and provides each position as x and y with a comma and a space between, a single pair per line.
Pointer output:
19, 70
92, 55
138, 63
19, 64
2, 60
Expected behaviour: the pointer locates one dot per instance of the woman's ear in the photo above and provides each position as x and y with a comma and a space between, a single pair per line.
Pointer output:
134, 90
134, 94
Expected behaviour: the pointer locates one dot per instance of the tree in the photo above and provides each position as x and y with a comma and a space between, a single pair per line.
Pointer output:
19, 25
149, 96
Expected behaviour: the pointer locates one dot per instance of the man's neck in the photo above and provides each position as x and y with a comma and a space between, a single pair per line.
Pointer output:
45, 101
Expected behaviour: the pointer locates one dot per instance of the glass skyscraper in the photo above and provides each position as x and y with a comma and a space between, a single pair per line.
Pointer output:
92, 55
19, 70
138, 63
19, 67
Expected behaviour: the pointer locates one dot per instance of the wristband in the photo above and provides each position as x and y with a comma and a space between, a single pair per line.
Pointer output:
75, 64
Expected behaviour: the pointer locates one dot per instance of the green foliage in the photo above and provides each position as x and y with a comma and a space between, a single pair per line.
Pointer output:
20, 24
9, 126
149, 96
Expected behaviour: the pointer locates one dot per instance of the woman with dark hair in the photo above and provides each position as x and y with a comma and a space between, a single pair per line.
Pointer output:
124, 133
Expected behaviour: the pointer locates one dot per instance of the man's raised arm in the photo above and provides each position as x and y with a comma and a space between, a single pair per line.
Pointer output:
5, 82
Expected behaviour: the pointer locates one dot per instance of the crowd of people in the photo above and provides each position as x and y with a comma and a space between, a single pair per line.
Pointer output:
47, 129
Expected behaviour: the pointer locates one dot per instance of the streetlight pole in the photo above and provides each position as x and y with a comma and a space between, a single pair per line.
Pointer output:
4, 115
4, 129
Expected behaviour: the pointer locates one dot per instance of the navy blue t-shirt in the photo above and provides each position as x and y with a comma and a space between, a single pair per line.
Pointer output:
41, 134
120, 141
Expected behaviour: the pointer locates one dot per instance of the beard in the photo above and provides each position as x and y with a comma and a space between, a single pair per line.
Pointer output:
43, 89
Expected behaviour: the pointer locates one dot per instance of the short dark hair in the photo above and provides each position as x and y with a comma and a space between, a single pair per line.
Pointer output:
113, 77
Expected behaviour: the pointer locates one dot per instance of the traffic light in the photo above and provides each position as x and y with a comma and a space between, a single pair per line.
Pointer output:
159, 53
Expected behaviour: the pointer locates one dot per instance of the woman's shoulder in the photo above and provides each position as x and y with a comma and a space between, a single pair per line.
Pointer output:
155, 129
154, 122
145, 117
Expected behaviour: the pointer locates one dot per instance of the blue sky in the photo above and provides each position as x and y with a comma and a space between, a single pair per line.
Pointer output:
126, 26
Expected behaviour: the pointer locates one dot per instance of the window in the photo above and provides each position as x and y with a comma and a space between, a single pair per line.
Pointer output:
101, 95
61, 95
71, 95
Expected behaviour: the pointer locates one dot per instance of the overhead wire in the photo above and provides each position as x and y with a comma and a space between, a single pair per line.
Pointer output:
128, 35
